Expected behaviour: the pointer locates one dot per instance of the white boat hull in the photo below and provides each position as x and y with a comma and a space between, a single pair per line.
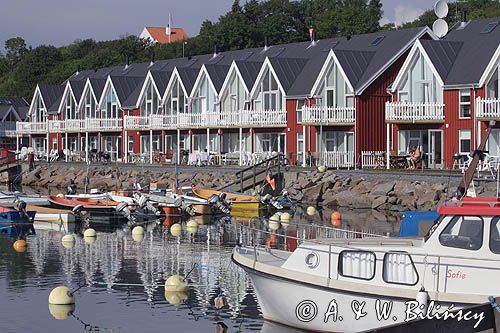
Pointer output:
313, 308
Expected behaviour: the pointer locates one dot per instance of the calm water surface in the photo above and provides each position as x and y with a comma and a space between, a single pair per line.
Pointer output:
121, 280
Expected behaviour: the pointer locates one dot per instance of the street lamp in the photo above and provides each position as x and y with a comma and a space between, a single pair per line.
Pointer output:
183, 48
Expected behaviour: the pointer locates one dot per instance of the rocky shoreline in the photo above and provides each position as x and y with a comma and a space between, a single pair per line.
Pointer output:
327, 189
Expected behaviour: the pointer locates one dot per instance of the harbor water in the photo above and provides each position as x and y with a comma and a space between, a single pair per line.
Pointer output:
119, 278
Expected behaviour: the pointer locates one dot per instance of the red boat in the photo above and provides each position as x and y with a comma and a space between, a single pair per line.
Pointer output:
88, 204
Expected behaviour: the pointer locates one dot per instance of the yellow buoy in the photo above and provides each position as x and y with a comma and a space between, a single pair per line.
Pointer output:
175, 297
322, 168
20, 245
138, 237
89, 240
90, 233
274, 222
176, 230
60, 195
175, 283
192, 226
285, 217
61, 312
138, 230
311, 211
68, 241
61, 296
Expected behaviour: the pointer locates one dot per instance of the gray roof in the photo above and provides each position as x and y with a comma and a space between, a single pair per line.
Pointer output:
161, 80
475, 54
125, 86
287, 70
14, 101
97, 86
77, 88
188, 77
51, 95
217, 74
354, 63
249, 71
442, 54
131, 102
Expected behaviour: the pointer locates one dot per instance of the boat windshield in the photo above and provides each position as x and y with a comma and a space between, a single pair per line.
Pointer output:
433, 227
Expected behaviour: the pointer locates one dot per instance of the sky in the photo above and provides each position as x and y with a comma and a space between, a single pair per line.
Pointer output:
60, 22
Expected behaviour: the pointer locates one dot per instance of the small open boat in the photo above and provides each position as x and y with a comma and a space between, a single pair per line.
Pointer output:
87, 203
240, 203
7, 199
14, 223
51, 218
201, 206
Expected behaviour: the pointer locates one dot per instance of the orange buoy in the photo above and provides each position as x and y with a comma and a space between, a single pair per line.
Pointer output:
20, 245
336, 218
271, 241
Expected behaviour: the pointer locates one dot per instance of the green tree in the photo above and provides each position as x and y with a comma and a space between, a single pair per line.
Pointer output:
16, 48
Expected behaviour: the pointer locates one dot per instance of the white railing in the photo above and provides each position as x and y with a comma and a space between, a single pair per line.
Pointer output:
263, 118
31, 127
318, 114
414, 112
155, 121
373, 159
191, 119
488, 108
75, 125
136, 122
103, 124
56, 126
338, 159
163, 121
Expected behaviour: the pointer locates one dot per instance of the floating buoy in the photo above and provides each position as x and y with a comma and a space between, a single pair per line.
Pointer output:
175, 283
175, 297
322, 168
68, 241
138, 230
220, 302
61, 312
20, 245
90, 233
138, 237
285, 217
311, 210
61, 296
89, 240
176, 230
192, 226
60, 195
335, 219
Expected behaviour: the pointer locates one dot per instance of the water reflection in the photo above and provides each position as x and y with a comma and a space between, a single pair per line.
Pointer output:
122, 278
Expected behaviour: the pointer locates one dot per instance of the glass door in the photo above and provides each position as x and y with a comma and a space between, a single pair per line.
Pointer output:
435, 145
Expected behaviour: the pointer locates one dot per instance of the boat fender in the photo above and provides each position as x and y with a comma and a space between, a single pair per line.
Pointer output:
138, 230
77, 209
422, 298
61, 296
176, 230
90, 233
219, 302
61, 312
192, 226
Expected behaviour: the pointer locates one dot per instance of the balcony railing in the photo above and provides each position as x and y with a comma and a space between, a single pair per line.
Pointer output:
338, 159
191, 120
151, 122
103, 124
331, 115
263, 118
75, 125
31, 127
487, 109
408, 112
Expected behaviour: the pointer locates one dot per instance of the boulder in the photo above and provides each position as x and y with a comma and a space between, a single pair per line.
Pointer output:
312, 195
383, 188
379, 201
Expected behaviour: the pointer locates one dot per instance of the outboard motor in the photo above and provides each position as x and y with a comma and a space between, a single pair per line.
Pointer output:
184, 207
146, 204
71, 189
79, 210
219, 202
269, 200
122, 208
21, 207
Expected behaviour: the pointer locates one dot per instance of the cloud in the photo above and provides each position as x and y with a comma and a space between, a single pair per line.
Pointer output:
405, 13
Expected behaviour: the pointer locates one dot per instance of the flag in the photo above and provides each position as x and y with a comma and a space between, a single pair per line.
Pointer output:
169, 27
271, 182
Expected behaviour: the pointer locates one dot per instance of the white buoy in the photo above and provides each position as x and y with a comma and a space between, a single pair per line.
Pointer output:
274, 222
192, 226
175, 297
61, 296
311, 211
90, 233
422, 298
60, 195
89, 240
138, 237
322, 168
176, 230
68, 241
285, 217
61, 312
138, 230
175, 283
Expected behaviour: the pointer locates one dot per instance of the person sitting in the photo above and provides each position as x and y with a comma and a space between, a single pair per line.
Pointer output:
415, 158
410, 155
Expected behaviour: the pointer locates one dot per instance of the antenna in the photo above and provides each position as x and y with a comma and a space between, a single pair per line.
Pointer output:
440, 27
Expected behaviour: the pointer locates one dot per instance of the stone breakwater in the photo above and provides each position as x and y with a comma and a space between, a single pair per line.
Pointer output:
383, 192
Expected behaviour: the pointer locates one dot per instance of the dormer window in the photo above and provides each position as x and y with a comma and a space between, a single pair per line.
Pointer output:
335, 91
150, 102
492, 88
420, 85
269, 96
70, 109
110, 105
39, 113
234, 97
176, 101
205, 98
89, 106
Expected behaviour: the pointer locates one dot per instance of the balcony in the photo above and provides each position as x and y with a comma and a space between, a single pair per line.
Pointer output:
103, 124
331, 115
75, 125
223, 119
487, 109
408, 112
263, 118
31, 127
152, 122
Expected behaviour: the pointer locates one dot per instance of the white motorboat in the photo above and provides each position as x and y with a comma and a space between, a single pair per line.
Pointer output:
351, 285
7, 199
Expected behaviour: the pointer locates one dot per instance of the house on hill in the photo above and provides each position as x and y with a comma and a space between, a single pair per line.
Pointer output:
163, 35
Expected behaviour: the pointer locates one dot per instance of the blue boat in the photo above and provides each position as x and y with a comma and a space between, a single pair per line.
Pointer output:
417, 223
14, 223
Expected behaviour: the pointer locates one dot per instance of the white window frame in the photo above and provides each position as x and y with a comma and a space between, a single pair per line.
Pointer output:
301, 103
461, 138
464, 92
